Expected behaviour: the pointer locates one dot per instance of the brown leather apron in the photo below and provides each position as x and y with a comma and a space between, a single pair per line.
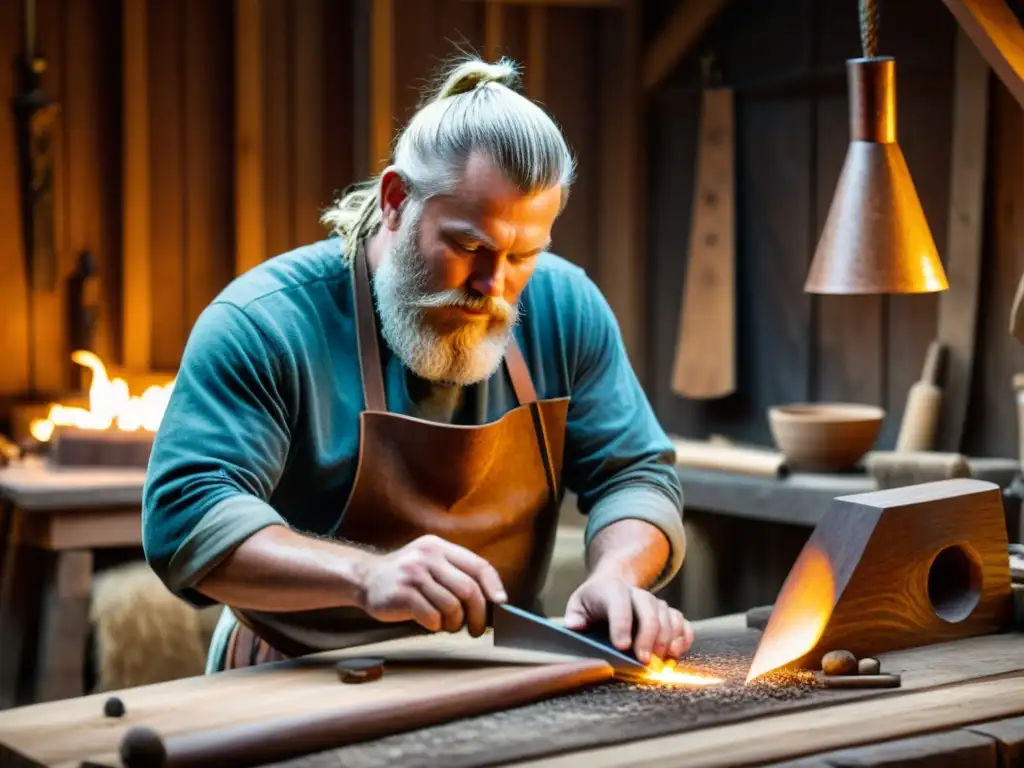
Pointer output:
493, 489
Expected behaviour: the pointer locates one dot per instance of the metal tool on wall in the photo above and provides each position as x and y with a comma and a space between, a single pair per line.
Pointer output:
705, 356
36, 115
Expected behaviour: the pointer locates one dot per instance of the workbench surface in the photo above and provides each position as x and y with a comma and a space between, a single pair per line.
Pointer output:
962, 696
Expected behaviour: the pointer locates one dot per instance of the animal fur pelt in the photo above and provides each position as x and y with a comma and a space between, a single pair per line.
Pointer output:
143, 633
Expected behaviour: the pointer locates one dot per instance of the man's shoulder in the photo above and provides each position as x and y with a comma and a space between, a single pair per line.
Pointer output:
563, 288
277, 304
281, 277
552, 267
558, 282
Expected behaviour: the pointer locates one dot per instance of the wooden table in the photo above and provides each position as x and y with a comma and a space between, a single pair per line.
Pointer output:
962, 700
51, 522
800, 498
732, 565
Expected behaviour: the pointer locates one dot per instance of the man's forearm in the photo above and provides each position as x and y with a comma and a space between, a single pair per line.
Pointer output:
277, 569
633, 551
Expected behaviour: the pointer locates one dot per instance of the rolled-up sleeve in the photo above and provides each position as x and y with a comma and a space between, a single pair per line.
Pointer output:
619, 461
219, 451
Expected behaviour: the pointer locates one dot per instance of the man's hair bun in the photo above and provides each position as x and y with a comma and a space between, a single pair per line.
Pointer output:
475, 73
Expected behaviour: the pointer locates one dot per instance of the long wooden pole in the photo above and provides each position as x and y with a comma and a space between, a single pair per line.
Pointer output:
382, 82
136, 308
250, 221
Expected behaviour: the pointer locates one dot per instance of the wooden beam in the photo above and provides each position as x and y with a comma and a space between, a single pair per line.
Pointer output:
689, 21
494, 29
999, 36
958, 307
15, 333
250, 232
536, 48
621, 265
136, 312
308, 105
558, 3
382, 82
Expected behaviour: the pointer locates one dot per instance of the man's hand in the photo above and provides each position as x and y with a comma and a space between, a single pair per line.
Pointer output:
662, 631
433, 582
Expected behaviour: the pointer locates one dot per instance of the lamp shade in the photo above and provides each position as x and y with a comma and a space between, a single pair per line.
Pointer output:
876, 238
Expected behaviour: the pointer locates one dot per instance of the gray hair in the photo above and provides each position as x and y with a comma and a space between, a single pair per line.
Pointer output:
476, 108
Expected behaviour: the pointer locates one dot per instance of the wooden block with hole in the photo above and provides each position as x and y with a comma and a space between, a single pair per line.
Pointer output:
894, 569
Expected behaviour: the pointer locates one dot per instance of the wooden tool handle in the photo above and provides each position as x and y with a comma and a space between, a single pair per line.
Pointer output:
933, 363
1017, 313
920, 418
699, 454
285, 738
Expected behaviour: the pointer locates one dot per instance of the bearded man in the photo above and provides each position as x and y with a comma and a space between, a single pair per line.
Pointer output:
371, 435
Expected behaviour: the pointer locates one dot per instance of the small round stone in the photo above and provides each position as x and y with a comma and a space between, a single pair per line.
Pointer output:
143, 748
360, 670
839, 663
113, 707
868, 666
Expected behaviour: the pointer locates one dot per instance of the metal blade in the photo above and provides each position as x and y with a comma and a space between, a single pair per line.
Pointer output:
516, 628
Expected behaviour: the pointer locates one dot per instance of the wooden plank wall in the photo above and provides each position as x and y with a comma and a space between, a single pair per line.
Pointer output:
198, 138
81, 43
786, 61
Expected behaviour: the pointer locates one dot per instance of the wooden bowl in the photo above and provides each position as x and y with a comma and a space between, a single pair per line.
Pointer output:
824, 437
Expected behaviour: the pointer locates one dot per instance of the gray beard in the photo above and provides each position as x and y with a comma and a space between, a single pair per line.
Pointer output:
462, 357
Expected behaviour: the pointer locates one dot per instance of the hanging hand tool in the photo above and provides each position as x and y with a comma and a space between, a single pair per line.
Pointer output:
705, 359
36, 115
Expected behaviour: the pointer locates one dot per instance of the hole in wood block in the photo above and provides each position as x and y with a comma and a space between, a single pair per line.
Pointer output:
954, 583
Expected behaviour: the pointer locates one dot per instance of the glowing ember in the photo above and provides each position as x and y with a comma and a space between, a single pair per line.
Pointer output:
110, 404
667, 673
800, 614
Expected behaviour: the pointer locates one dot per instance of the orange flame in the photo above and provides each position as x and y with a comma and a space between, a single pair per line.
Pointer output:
667, 673
800, 614
110, 404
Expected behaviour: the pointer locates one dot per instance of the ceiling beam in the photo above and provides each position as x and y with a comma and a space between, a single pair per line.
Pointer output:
689, 21
999, 37
556, 3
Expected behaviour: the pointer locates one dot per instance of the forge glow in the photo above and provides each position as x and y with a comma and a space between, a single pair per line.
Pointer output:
800, 614
110, 404
667, 673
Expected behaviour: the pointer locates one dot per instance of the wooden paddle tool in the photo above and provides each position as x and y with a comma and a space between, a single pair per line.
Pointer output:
705, 357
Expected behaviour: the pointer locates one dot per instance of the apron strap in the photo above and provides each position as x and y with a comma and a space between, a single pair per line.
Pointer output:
366, 335
518, 371
369, 349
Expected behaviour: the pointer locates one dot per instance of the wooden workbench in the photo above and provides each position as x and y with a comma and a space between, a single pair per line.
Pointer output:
52, 521
963, 697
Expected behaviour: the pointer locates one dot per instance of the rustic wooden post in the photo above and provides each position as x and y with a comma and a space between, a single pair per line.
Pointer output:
621, 257
136, 313
382, 82
250, 235
494, 29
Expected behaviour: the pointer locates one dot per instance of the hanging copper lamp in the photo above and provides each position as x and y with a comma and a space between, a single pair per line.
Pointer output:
876, 238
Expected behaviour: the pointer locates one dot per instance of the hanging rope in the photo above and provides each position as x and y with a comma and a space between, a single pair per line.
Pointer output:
869, 28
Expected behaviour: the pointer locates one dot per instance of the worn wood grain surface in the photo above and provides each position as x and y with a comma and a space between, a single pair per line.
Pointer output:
61, 733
